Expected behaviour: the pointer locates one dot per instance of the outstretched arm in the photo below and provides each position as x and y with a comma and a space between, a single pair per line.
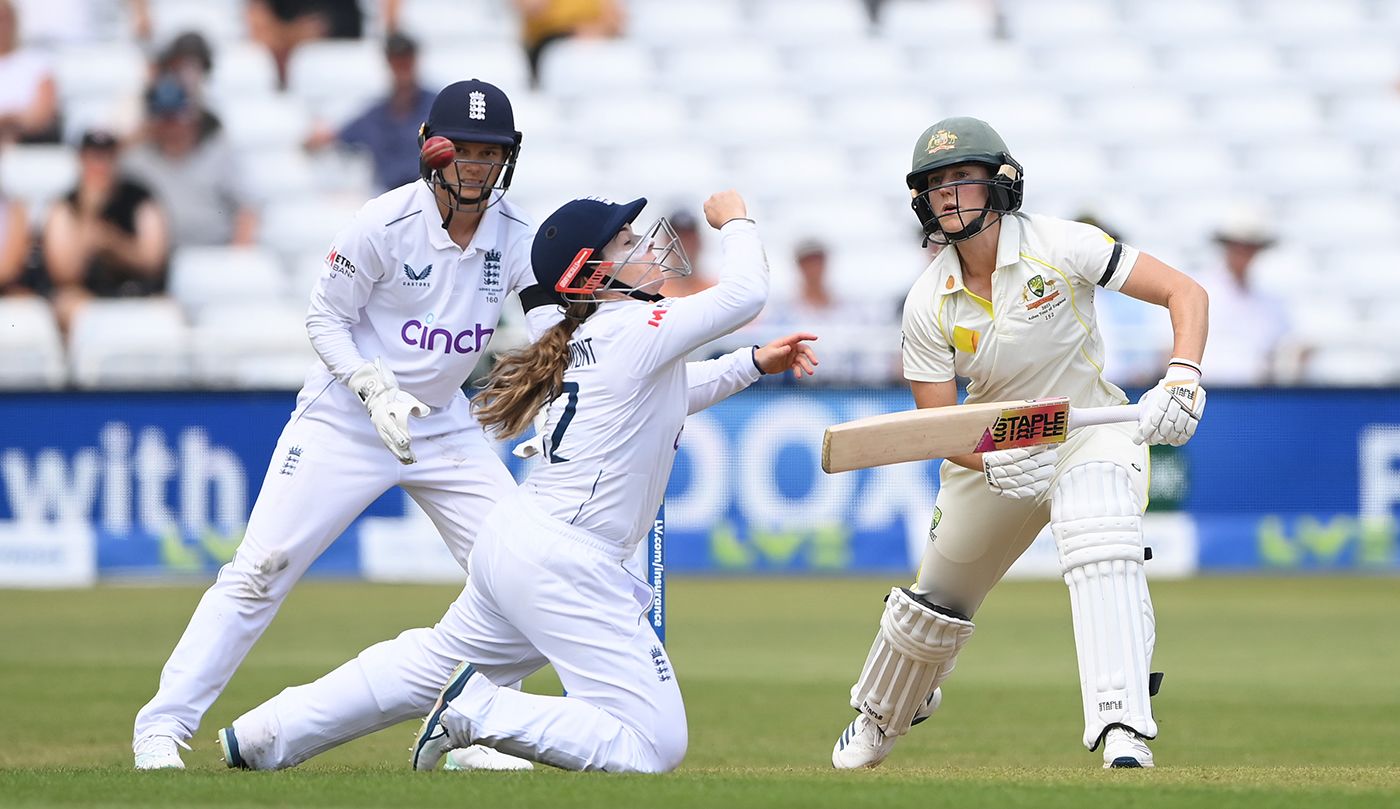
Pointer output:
713, 381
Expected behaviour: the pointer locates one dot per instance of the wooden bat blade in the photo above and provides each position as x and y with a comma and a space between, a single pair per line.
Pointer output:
938, 432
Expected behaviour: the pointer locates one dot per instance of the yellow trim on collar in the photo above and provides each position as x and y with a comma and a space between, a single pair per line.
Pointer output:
981, 301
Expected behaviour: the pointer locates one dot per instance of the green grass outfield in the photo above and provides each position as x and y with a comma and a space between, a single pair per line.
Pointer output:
1279, 692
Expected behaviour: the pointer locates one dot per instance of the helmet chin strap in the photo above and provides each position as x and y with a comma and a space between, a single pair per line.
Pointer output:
972, 229
442, 183
634, 293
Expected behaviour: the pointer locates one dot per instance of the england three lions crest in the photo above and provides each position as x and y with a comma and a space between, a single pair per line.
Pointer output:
491, 272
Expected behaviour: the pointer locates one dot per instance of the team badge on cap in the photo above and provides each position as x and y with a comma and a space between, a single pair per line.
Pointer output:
941, 141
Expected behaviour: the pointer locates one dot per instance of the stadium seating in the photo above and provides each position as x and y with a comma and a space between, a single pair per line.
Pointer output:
241, 70
788, 22
502, 62
335, 78
670, 21
38, 175
243, 345
272, 174
691, 70
205, 277
103, 71
130, 343
441, 23
220, 21
1215, 65
295, 225
913, 22
30, 344
1153, 116
579, 68
267, 121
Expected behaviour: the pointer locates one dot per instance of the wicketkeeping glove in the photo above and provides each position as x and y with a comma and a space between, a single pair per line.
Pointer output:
1171, 411
389, 407
1021, 473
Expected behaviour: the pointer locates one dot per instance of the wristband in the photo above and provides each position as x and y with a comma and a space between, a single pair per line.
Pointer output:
1187, 365
753, 355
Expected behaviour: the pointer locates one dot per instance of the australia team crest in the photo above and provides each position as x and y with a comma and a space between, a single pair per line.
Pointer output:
941, 141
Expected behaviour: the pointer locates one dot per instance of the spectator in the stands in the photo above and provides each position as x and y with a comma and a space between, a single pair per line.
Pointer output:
388, 129
1246, 323
282, 25
14, 247
191, 170
28, 100
107, 238
853, 351
544, 22
189, 59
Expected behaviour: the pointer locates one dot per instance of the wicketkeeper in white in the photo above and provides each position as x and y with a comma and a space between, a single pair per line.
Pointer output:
412, 293
548, 579
1009, 305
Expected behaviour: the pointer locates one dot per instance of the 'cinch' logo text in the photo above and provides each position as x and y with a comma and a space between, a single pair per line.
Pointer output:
416, 334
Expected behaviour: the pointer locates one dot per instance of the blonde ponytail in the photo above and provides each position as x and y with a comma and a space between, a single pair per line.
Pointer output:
524, 380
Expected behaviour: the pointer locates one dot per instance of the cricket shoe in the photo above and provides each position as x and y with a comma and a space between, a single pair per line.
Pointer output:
434, 741
233, 757
481, 757
1123, 748
863, 744
158, 753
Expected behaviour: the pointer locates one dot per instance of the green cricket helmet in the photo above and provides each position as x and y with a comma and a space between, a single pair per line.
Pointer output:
963, 140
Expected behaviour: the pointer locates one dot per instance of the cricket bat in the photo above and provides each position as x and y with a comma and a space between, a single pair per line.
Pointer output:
938, 432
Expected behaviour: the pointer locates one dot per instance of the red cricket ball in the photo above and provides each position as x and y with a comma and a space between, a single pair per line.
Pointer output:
438, 152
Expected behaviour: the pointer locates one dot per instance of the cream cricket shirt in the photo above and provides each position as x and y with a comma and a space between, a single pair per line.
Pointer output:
1037, 336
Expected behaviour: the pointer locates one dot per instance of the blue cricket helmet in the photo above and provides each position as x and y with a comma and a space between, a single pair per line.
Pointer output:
477, 112
570, 237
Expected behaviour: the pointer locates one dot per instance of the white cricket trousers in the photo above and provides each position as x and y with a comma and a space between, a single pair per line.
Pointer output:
328, 467
540, 591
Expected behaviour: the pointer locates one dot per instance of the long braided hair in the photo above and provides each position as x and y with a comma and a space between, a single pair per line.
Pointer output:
525, 379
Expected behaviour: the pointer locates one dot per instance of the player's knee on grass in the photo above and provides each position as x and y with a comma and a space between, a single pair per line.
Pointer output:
668, 747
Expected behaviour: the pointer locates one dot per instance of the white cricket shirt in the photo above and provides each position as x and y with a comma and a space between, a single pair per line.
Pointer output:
612, 433
1037, 336
396, 286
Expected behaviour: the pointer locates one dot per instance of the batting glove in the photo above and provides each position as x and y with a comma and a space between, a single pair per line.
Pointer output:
389, 407
1171, 411
1021, 473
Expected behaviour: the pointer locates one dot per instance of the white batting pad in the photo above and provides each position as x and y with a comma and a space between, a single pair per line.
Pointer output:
913, 654
1097, 523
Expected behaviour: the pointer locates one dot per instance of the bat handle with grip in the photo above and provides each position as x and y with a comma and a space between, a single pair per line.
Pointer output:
1091, 416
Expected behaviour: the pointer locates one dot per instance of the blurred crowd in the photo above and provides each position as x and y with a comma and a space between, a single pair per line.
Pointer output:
239, 153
